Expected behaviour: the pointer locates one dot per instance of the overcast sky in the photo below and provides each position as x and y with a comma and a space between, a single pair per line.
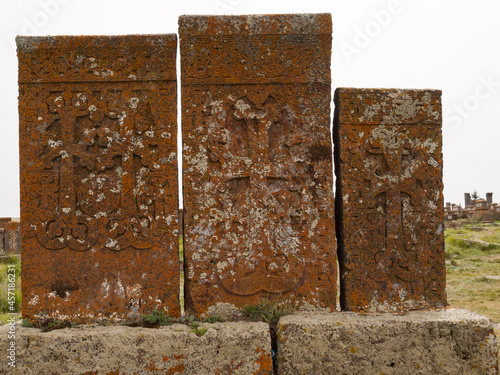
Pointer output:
452, 45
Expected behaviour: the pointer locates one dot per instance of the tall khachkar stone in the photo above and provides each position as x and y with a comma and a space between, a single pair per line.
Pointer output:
257, 152
98, 176
389, 201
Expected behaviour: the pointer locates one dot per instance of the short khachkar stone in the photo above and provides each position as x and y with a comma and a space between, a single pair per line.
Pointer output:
257, 160
98, 176
388, 164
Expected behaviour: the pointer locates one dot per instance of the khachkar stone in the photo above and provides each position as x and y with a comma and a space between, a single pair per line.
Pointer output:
98, 176
388, 164
257, 152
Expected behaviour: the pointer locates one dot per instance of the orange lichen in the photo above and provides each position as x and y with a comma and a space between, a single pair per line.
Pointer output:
257, 160
389, 201
98, 176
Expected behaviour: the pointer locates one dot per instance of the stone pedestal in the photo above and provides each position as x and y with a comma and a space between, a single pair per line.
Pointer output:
226, 348
447, 341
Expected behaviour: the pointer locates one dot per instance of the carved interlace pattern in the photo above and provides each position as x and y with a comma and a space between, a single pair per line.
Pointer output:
102, 176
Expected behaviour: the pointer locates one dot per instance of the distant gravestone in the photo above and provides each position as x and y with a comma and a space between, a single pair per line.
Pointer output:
2, 243
3, 221
467, 199
98, 176
481, 204
389, 199
257, 160
12, 237
489, 198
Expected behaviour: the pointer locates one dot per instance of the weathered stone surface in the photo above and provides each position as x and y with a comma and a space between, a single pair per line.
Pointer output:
12, 238
4, 220
467, 199
489, 198
225, 348
257, 159
445, 341
98, 176
389, 202
2, 243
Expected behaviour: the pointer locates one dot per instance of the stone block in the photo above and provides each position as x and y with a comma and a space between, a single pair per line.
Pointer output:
388, 163
98, 176
225, 348
12, 238
443, 341
257, 160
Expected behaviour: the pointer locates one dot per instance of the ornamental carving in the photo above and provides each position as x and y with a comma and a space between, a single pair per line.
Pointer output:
257, 160
99, 194
389, 170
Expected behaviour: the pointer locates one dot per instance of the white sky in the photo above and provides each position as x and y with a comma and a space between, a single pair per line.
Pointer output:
452, 45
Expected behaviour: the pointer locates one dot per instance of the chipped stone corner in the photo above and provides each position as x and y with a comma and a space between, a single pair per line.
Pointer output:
226, 311
27, 44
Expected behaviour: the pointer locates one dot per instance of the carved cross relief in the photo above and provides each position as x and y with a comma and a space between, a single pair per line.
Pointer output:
262, 213
100, 166
393, 191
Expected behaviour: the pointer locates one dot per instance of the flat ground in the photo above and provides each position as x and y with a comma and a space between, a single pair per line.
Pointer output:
473, 268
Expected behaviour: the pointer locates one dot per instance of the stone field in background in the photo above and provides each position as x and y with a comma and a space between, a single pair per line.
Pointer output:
10, 236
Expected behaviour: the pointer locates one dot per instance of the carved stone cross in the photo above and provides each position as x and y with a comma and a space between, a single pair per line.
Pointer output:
389, 189
265, 191
397, 260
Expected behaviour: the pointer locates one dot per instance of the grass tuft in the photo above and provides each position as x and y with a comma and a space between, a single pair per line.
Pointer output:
157, 318
266, 311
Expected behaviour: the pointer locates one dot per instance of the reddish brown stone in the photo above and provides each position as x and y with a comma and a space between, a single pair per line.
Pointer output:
257, 160
98, 176
12, 238
388, 164
4, 220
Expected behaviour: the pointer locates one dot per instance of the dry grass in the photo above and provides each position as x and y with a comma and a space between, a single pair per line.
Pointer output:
473, 270
5, 306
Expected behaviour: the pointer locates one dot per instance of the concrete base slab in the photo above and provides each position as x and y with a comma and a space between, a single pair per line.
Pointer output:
225, 348
448, 341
